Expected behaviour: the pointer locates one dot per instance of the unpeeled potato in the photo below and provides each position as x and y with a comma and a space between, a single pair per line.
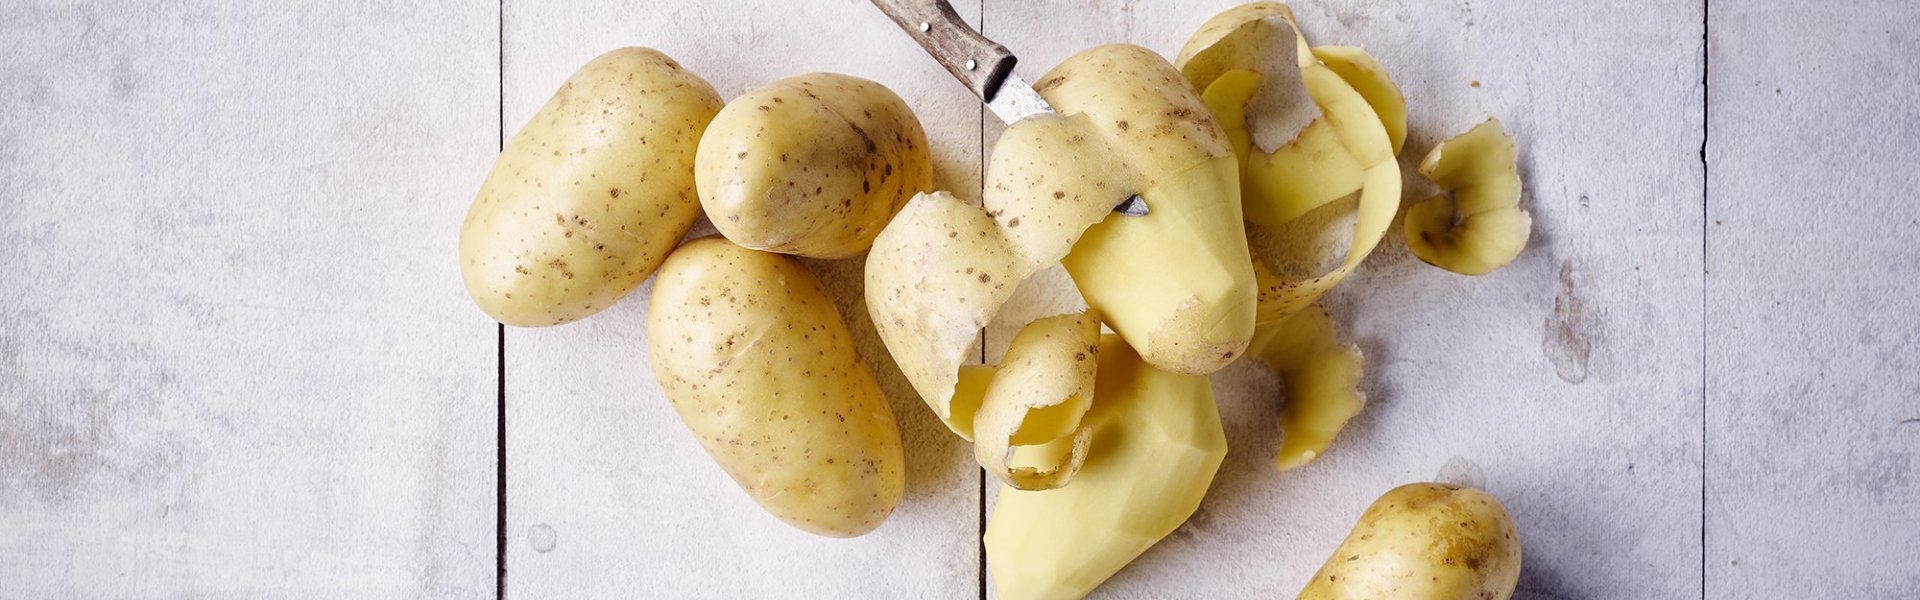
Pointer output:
1424, 541
757, 361
812, 165
590, 196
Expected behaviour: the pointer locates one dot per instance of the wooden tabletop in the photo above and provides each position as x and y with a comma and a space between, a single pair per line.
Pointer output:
236, 358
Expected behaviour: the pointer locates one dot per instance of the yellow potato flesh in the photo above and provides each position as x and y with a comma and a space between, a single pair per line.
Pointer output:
941, 269
1369, 77
1321, 378
1346, 153
936, 275
1196, 315
812, 165
1177, 283
1038, 394
1424, 541
756, 360
1157, 443
1479, 228
590, 196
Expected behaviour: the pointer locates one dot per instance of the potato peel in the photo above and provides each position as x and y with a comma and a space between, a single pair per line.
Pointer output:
1321, 378
1476, 225
1037, 395
1159, 444
1199, 314
1370, 78
941, 270
937, 274
1345, 153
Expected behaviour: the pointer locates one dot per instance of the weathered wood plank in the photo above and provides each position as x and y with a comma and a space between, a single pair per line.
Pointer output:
235, 357
1812, 444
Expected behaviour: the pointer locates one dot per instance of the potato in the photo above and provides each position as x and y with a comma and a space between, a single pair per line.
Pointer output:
812, 165
1039, 394
756, 360
1178, 283
1425, 541
590, 196
1157, 444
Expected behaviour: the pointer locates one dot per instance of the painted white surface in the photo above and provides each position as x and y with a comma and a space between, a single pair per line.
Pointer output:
1813, 433
235, 357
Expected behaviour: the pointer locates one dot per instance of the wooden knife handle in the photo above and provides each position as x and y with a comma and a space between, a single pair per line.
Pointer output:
970, 57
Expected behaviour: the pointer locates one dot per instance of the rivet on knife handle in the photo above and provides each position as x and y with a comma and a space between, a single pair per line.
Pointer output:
970, 57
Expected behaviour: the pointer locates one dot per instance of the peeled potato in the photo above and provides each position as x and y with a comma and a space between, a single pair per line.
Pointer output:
756, 360
1177, 283
812, 165
1424, 541
1157, 443
590, 196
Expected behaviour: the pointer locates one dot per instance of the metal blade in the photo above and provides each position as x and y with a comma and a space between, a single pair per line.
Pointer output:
1015, 100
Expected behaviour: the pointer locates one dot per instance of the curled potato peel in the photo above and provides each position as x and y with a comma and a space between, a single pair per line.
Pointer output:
1037, 395
1321, 378
1158, 444
1347, 152
1370, 78
1197, 314
1476, 226
942, 268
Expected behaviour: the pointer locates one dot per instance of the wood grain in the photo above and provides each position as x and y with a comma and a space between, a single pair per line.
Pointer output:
1813, 440
236, 359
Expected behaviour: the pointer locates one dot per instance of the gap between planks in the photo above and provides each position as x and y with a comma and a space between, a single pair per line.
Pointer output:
1706, 112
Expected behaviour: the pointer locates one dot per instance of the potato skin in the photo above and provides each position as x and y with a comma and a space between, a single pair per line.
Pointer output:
758, 363
589, 197
1425, 541
1198, 314
812, 165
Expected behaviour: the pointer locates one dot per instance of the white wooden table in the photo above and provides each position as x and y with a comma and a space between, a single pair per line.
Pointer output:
236, 359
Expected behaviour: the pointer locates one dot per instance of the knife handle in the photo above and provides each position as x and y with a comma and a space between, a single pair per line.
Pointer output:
970, 57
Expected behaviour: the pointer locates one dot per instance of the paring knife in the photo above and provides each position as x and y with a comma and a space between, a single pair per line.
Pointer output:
984, 66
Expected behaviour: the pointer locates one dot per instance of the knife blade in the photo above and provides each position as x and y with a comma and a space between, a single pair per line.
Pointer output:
984, 66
